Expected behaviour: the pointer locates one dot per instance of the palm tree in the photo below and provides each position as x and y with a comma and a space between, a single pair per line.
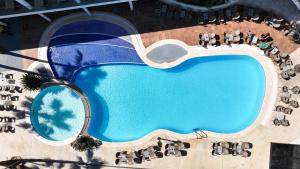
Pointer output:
32, 81
85, 143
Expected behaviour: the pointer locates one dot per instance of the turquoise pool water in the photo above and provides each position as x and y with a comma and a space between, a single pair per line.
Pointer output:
222, 94
57, 113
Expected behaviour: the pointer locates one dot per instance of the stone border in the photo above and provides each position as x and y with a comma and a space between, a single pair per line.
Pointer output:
197, 51
197, 8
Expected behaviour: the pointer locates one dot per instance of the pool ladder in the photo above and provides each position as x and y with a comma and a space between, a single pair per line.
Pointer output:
200, 134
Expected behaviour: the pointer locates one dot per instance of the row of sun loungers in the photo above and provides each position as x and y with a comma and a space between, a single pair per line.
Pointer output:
9, 97
176, 149
281, 111
8, 107
8, 119
221, 16
138, 157
232, 37
11, 88
7, 129
235, 149
151, 152
286, 96
205, 39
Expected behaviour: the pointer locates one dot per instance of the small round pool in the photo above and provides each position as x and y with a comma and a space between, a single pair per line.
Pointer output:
57, 113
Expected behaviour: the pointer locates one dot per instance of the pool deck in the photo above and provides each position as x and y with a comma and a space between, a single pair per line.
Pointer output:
23, 142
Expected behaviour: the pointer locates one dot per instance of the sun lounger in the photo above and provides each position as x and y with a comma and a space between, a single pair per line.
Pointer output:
294, 103
212, 17
1, 129
285, 89
281, 120
289, 62
18, 89
284, 100
226, 144
200, 19
296, 90
215, 153
117, 162
1, 119
2, 108
205, 17
226, 151
15, 98
228, 14
285, 75
245, 153
279, 108
9, 76
291, 72
254, 40
221, 16
288, 111
247, 145
10, 129
6, 119
215, 145
159, 154
11, 81
181, 145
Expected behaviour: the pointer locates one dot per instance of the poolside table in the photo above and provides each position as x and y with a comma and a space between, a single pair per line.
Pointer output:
237, 39
286, 68
280, 115
146, 154
230, 37
219, 149
205, 37
171, 149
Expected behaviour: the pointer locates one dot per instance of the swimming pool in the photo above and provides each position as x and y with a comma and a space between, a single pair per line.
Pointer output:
221, 94
57, 113
86, 43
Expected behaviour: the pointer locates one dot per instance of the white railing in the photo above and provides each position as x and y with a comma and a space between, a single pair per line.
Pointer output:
11, 14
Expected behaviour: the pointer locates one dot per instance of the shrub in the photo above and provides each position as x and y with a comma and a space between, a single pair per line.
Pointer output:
32, 81
84, 143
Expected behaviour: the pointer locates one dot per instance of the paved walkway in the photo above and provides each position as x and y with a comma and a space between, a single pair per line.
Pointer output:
190, 35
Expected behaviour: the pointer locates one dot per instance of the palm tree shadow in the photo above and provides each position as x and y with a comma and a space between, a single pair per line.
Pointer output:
57, 119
